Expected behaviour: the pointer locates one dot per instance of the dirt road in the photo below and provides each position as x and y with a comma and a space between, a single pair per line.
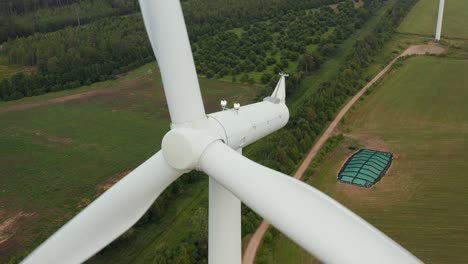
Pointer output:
257, 238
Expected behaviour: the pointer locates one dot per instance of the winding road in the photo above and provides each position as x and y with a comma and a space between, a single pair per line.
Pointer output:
257, 238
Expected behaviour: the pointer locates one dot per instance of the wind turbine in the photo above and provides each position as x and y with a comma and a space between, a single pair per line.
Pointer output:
211, 143
439, 20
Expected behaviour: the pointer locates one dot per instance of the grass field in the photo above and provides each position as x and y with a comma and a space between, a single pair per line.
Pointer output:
54, 157
423, 18
419, 113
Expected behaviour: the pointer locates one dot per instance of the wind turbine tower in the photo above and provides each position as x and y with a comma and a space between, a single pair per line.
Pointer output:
439, 20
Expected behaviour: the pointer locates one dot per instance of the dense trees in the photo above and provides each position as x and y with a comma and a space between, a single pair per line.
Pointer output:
97, 51
75, 56
210, 17
18, 7
12, 7
285, 37
60, 14
281, 43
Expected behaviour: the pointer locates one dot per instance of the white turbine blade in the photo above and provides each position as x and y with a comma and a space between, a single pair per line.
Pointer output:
165, 25
319, 224
107, 217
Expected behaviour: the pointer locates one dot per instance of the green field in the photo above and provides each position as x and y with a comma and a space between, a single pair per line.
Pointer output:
419, 113
423, 18
54, 157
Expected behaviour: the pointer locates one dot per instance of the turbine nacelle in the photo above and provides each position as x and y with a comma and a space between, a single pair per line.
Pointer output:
183, 146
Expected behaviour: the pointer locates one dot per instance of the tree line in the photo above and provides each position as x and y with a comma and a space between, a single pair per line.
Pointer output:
209, 17
54, 17
76, 56
19, 7
269, 47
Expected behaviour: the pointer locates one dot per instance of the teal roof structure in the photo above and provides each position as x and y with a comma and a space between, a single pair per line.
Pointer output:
365, 168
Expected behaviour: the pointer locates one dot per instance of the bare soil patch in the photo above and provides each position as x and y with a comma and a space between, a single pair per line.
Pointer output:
118, 76
53, 139
112, 180
9, 242
84, 202
425, 49
41, 137
370, 142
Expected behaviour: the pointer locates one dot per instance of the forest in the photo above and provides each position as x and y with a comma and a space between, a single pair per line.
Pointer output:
24, 18
97, 51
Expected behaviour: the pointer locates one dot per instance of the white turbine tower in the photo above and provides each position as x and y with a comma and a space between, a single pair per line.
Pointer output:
439, 20
211, 143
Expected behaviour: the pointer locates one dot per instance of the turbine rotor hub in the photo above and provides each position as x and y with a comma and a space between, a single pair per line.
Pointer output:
184, 144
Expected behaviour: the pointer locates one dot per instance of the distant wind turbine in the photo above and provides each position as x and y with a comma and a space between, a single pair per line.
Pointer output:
211, 143
439, 20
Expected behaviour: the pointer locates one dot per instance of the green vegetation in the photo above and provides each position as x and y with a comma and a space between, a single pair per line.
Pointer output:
74, 56
281, 250
17, 7
331, 68
423, 18
261, 50
71, 57
21, 20
419, 113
